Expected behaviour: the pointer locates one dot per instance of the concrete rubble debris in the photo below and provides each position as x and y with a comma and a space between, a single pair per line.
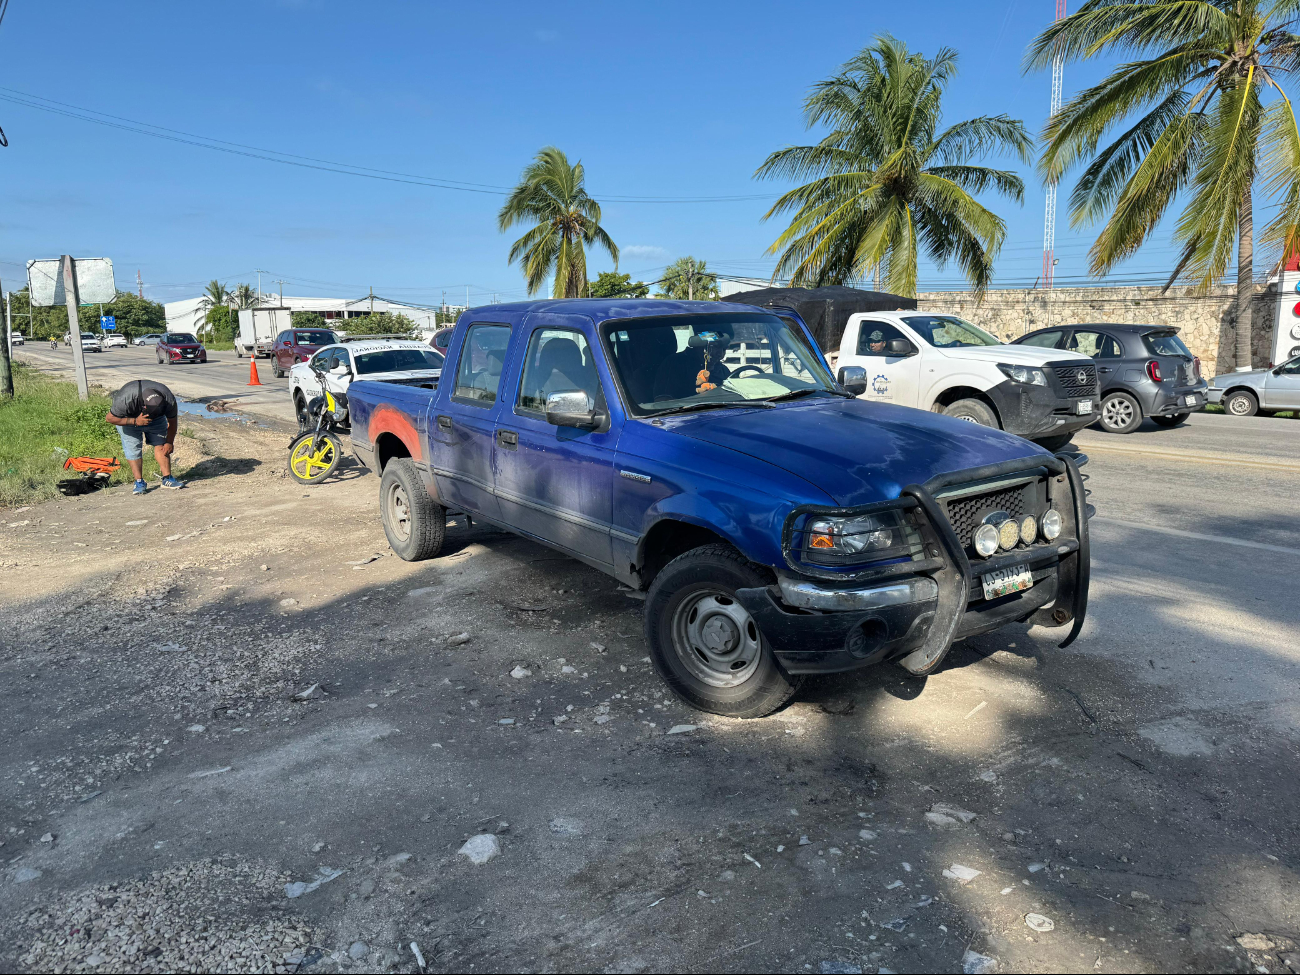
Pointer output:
973, 963
24, 874
196, 729
1036, 867
313, 693
682, 729
941, 820
1255, 942
358, 951
1039, 922
289, 602
520, 672
961, 874
47, 838
323, 876
506, 721
956, 812
419, 958
458, 640
867, 834
481, 848
894, 886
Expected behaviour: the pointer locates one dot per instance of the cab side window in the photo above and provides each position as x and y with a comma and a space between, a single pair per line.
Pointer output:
873, 337
482, 359
558, 360
1045, 340
1095, 344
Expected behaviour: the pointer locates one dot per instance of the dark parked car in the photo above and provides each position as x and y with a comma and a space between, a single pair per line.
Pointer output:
298, 345
1142, 370
180, 347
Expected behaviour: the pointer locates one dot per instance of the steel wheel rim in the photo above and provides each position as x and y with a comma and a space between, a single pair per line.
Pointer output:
399, 512
967, 417
1117, 412
716, 639
1239, 406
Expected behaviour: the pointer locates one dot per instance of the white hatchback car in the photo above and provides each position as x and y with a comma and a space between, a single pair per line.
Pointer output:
391, 360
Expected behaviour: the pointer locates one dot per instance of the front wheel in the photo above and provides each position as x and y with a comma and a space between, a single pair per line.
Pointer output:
973, 411
414, 523
1170, 420
311, 462
703, 642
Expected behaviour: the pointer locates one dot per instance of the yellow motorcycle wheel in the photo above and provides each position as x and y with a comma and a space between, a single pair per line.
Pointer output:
309, 464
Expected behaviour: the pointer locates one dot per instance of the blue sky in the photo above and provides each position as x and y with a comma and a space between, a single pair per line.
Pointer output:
658, 100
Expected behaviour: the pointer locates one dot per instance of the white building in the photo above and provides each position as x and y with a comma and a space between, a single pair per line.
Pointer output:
187, 314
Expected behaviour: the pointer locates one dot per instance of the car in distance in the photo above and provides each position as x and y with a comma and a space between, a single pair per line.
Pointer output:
390, 360
16, 338
941, 363
1143, 370
295, 345
153, 338
442, 338
112, 340
90, 342
1258, 391
176, 347
776, 524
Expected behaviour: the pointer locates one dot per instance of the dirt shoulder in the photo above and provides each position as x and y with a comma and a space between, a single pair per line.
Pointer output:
166, 803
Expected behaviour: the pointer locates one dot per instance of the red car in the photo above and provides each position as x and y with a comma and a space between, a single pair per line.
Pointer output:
442, 338
180, 347
298, 345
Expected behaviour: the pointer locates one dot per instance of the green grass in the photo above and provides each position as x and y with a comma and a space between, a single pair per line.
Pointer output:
42, 426
215, 346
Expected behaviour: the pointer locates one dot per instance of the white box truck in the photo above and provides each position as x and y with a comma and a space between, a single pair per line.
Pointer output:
258, 328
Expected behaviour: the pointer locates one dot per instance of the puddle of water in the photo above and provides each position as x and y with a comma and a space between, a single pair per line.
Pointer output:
201, 409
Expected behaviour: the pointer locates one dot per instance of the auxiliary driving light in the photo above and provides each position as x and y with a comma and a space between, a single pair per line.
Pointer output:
1028, 529
986, 540
1008, 533
1051, 524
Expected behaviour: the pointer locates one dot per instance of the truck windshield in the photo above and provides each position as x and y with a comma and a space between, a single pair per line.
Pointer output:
398, 360
947, 332
691, 361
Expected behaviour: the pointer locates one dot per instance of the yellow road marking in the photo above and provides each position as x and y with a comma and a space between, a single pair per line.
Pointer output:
1196, 457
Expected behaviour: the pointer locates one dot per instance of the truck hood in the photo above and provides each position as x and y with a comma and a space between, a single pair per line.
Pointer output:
857, 452
1022, 355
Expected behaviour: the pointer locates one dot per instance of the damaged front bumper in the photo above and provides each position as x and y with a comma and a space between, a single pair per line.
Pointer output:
821, 626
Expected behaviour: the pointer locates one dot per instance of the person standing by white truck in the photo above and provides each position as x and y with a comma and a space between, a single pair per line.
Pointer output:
947, 365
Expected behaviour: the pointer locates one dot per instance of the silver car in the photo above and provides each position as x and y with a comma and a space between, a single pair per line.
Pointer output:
1258, 391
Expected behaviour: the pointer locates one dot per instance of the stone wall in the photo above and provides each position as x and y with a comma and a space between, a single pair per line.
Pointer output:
1207, 323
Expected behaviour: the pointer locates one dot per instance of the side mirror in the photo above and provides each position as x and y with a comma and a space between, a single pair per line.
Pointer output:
572, 408
340, 370
854, 379
899, 347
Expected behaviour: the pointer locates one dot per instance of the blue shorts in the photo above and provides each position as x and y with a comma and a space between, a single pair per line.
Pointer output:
134, 438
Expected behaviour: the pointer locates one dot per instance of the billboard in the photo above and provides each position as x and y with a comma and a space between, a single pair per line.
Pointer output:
94, 281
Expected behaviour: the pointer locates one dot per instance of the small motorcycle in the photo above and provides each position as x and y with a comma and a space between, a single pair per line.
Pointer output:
314, 454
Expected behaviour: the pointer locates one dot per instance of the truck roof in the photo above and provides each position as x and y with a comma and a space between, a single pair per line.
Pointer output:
601, 309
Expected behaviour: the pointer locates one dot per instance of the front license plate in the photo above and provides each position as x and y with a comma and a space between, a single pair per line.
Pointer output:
1189, 400
1006, 581
1084, 406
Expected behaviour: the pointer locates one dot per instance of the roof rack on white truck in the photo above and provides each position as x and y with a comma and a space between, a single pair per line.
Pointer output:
941, 363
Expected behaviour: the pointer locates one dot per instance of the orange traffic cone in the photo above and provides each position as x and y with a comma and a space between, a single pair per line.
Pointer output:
252, 372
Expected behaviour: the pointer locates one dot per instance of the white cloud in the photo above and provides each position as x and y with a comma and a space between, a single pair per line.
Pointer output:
638, 251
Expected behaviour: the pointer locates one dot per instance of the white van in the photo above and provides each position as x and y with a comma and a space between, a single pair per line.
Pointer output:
940, 362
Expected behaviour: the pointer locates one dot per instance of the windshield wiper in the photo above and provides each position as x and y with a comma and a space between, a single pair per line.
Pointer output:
796, 393
756, 404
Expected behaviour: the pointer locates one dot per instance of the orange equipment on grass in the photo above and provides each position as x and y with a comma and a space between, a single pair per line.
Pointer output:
93, 465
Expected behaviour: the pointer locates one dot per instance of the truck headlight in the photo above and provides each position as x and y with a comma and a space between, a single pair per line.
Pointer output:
1028, 529
1050, 524
1028, 375
985, 540
858, 539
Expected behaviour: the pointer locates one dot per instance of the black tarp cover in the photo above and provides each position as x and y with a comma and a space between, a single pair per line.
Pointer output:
825, 310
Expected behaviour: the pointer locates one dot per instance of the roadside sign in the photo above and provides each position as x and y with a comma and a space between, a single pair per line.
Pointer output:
93, 275
108, 323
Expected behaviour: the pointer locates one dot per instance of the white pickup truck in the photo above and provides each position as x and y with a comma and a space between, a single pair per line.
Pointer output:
947, 365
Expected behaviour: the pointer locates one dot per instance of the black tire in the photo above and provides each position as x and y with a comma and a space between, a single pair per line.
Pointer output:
316, 476
1054, 443
1240, 402
414, 523
300, 411
1170, 420
973, 411
714, 572
1120, 413
275, 370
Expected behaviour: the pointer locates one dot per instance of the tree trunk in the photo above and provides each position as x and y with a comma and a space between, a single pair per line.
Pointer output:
1245, 279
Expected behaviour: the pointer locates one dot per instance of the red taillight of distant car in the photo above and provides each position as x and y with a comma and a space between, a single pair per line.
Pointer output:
1153, 370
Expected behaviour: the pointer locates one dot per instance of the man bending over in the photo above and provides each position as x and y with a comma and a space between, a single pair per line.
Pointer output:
144, 412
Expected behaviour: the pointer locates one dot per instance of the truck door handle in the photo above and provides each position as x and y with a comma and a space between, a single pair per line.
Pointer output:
508, 439
1105, 369
444, 423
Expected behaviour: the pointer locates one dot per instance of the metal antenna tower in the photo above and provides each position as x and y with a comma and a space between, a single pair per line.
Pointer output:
1049, 218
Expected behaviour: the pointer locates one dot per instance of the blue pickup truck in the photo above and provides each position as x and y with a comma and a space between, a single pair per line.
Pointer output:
703, 454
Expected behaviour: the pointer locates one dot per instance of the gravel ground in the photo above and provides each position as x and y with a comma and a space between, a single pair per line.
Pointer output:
242, 737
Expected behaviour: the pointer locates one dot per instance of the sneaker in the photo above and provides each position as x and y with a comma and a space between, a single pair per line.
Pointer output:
140, 488
171, 481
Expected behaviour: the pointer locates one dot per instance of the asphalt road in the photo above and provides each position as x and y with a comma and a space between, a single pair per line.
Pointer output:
1137, 788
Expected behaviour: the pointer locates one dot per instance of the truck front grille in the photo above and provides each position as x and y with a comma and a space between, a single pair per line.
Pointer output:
966, 512
1077, 380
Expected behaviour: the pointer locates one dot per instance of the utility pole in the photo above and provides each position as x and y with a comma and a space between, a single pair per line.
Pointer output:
6, 368
74, 325
1049, 216
281, 284
139, 284
372, 300
259, 272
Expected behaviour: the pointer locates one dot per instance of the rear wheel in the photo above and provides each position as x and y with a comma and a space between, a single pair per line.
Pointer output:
1170, 420
1241, 403
276, 371
1120, 413
973, 411
310, 460
703, 642
414, 523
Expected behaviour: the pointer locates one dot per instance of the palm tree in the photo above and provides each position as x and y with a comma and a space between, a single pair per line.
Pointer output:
245, 296
1214, 121
214, 295
688, 278
551, 195
889, 181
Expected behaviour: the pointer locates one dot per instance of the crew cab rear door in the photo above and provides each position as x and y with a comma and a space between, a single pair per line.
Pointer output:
556, 483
